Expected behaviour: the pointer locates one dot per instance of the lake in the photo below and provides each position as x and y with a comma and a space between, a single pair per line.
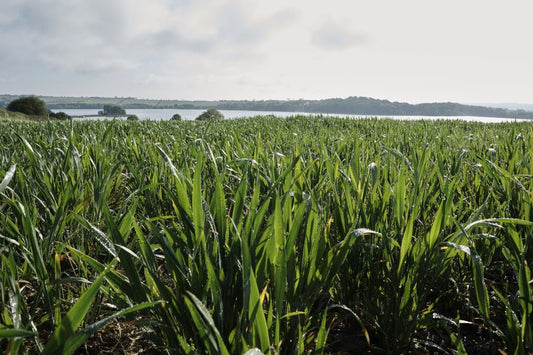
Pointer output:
166, 114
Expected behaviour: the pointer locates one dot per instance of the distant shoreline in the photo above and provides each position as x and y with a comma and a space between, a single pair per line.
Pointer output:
103, 116
346, 106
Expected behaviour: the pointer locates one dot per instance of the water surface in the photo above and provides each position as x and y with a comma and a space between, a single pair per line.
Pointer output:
166, 114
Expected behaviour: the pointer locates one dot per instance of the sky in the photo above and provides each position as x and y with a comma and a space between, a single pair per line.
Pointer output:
467, 51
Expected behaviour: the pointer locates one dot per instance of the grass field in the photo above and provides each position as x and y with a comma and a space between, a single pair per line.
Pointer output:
305, 235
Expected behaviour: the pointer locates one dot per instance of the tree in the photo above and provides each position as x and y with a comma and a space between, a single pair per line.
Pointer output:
176, 117
30, 105
112, 110
133, 118
211, 114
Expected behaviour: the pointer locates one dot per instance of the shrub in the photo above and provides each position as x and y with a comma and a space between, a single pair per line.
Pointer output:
133, 118
211, 114
59, 115
30, 105
176, 117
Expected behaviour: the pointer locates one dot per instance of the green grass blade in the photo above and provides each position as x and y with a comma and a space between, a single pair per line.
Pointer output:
16, 333
322, 335
7, 178
480, 287
526, 301
406, 242
63, 333
77, 339
197, 209
100, 236
202, 318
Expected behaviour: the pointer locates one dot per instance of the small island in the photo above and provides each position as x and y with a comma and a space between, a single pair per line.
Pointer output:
112, 110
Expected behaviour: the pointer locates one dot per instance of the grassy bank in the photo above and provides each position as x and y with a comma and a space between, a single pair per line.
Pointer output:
292, 236
6, 115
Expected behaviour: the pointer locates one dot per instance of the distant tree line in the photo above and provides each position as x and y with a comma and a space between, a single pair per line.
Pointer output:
369, 106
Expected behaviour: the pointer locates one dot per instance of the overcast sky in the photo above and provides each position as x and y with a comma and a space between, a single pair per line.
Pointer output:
469, 51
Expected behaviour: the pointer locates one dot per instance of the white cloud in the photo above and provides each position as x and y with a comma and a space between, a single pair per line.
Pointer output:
66, 34
258, 49
338, 35
102, 35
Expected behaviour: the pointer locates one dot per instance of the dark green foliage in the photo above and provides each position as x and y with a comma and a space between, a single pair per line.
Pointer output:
210, 114
30, 105
59, 115
133, 118
112, 110
176, 117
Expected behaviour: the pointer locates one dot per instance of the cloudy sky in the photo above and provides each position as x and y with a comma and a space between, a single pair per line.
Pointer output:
469, 51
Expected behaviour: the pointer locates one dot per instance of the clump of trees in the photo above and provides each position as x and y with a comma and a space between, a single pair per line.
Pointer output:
112, 110
31, 105
59, 115
211, 114
176, 117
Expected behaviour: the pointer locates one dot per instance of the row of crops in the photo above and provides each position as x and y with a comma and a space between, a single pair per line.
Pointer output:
266, 235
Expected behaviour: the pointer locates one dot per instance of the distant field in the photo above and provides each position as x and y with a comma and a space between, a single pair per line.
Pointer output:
286, 235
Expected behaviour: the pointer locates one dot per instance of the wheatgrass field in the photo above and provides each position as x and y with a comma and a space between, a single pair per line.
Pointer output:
302, 235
